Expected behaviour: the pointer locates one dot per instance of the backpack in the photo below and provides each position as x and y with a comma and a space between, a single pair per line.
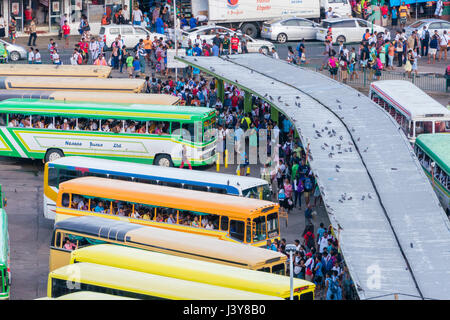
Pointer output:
333, 286
80, 59
308, 184
244, 124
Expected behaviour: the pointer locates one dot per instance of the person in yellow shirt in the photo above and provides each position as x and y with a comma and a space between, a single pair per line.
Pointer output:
403, 13
148, 48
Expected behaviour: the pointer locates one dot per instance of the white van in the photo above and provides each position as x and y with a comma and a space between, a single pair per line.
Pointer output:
129, 33
341, 8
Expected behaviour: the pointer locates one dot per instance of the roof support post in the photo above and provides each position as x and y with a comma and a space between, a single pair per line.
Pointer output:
220, 90
247, 102
274, 113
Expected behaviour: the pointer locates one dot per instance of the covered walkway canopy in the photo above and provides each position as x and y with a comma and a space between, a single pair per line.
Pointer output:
394, 235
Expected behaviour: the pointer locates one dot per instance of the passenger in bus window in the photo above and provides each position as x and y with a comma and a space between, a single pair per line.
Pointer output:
141, 129
204, 221
121, 212
171, 219
105, 127
99, 208
209, 225
13, 122
195, 222
69, 245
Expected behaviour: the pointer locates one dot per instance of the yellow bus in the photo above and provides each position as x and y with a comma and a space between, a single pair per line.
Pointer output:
80, 232
137, 285
52, 70
226, 217
82, 96
72, 84
193, 270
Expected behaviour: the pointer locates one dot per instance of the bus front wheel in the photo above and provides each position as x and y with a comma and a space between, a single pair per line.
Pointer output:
163, 161
53, 154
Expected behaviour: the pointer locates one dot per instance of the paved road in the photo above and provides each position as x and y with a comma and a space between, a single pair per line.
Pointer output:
30, 232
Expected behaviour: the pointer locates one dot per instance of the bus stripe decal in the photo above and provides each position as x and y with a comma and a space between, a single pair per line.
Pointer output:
13, 142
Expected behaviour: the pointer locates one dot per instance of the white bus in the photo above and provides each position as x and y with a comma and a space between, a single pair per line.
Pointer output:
414, 110
67, 168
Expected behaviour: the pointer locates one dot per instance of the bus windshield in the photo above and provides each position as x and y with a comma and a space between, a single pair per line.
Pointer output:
258, 192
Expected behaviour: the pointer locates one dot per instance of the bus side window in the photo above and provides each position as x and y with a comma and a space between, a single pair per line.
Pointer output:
224, 223
57, 240
52, 177
237, 229
3, 119
65, 200
218, 190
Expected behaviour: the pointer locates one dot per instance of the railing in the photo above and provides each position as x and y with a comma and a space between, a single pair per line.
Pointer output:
425, 81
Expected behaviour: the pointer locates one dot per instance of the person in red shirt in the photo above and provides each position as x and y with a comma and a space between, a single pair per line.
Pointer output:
66, 33
84, 46
28, 15
234, 44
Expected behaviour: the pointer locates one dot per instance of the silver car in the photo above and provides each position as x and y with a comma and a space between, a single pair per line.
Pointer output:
431, 24
294, 28
15, 52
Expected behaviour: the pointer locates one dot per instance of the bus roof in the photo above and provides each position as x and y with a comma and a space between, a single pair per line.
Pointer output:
438, 148
3, 237
172, 174
197, 201
409, 99
103, 110
116, 97
172, 241
186, 269
88, 295
72, 83
150, 284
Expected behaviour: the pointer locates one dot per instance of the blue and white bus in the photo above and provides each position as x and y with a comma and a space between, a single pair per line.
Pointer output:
67, 168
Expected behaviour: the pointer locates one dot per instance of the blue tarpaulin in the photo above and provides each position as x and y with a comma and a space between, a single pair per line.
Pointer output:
398, 2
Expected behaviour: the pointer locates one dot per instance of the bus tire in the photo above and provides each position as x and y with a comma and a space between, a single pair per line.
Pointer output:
250, 29
53, 154
163, 160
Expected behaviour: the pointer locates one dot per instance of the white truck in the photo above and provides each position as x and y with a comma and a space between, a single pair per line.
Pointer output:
249, 15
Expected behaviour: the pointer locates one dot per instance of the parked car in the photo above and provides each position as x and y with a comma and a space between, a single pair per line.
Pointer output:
206, 33
129, 33
253, 45
294, 28
15, 52
346, 29
431, 24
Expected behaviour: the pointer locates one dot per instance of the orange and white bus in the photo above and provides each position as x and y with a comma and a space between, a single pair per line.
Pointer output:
226, 217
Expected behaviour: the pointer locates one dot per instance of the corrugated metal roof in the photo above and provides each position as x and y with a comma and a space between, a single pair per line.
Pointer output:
394, 215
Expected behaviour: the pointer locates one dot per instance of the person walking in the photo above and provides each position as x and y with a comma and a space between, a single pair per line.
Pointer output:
403, 13
32, 31
66, 33
443, 45
12, 30
424, 41
434, 44
184, 158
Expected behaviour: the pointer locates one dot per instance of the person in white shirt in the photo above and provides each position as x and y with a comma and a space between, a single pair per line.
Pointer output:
443, 44
137, 16
329, 14
30, 56
387, 35
275, 54
50, 126
94, 48
126, 14
323, 243
37, 57
209, 226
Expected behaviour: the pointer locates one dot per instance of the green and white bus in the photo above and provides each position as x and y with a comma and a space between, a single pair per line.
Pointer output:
154, 134
433, 152
5, 273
